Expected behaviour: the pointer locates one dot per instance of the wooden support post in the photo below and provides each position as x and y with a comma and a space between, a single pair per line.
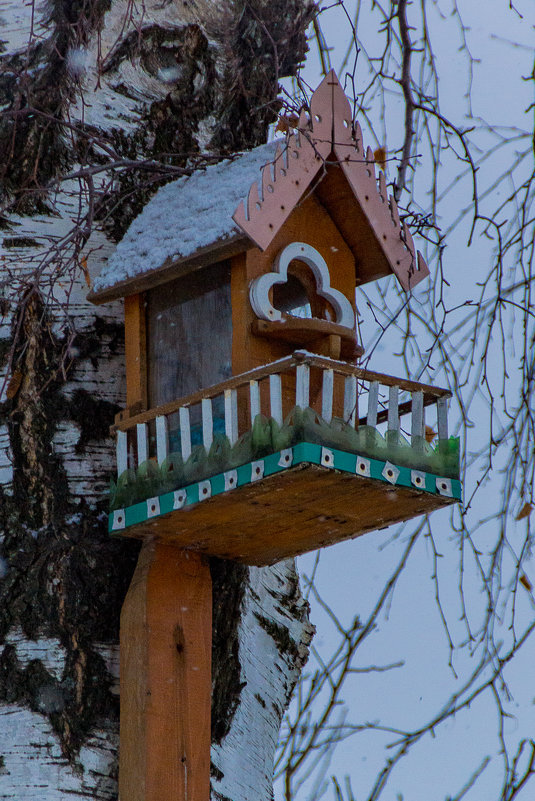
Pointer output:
166, 633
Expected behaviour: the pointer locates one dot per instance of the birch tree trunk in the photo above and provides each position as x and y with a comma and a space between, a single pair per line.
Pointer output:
102, 101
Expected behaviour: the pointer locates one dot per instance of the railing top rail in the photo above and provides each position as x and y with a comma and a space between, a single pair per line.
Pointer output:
281, 366
370, 375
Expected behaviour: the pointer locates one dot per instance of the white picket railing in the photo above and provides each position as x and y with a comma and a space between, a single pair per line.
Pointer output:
263, 390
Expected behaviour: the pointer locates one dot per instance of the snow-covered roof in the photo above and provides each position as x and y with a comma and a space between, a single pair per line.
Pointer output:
183, 218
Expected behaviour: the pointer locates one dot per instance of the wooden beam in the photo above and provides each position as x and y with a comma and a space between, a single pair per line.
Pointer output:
135, 345
166, 631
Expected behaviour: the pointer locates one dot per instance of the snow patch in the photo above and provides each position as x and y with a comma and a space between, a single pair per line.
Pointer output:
185, 216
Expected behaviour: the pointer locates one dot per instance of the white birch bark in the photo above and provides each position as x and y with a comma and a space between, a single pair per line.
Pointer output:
111, 84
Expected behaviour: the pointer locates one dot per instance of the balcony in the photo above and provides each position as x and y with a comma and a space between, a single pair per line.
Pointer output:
281, 459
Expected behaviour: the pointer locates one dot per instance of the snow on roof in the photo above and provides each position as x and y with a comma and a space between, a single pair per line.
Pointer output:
185, 216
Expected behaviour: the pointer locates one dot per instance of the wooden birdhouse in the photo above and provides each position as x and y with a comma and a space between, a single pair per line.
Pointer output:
251, 432
245, 404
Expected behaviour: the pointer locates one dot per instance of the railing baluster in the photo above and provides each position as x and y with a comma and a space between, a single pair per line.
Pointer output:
162, 439
122, 452
373, 401
185, 432
302, 386
275, 398
231, 415
142, 443
393, 415
418, 419
327, 395
442, 414
207, 423
254, 395
350, 399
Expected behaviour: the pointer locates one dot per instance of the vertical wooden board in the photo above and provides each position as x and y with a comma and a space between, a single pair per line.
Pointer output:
133, 672
142, 443
179, 612
442, 418
275, 398
207, 423
185, 432
373, 400
231, 415
162, 439
393, 415
122, 452
166, 628
135, 352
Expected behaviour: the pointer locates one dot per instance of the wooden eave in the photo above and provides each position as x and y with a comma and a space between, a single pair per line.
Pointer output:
337, 197
218, 251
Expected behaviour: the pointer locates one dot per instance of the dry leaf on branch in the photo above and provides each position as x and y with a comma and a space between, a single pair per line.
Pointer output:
286, 122
526, 583
379, 155
14, 384
83, 265
430, 434
525, 511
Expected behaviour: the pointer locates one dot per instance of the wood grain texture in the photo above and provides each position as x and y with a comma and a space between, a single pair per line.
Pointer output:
166, 627
309, 223
290, 513
135, 345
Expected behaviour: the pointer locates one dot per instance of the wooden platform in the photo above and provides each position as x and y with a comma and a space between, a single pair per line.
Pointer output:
288, 503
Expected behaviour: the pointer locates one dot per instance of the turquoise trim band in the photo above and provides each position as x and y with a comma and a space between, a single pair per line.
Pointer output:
302, 453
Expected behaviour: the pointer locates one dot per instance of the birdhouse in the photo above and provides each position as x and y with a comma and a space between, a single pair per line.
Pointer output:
251, 432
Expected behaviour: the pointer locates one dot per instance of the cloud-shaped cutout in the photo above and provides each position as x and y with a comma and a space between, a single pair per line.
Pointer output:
260, 287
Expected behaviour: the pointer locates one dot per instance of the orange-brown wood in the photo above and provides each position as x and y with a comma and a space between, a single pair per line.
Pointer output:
135, 345
308, 223
317, 335
289, 513
166, 630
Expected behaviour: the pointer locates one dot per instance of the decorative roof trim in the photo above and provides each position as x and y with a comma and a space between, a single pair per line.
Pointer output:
329, 131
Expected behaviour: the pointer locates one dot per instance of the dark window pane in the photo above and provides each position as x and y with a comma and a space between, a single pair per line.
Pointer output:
189, 334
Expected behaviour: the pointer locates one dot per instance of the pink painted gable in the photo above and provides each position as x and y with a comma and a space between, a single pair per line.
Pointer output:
328, 138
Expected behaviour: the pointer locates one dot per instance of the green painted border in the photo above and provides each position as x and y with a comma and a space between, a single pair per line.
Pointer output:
302, 453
